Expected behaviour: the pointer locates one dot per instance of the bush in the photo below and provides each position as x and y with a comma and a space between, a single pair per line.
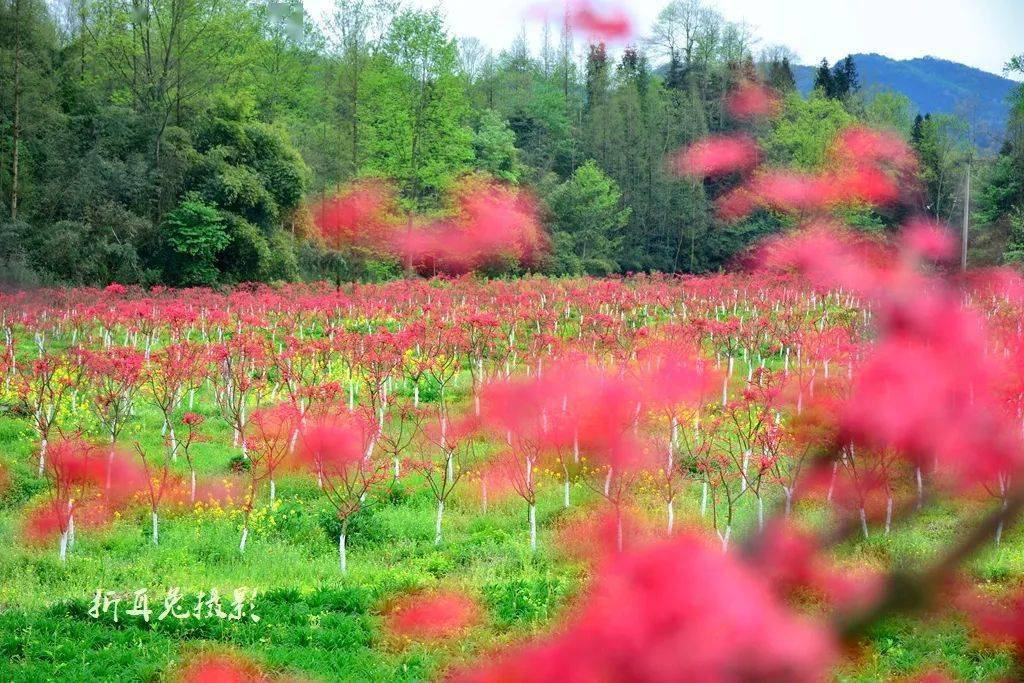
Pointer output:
526, 599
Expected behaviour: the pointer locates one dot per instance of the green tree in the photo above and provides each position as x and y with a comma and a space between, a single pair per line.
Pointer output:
942, 150
418, 119
494, 146
195, 232
780, 75
803, 132
823, 79
1015, 248
587, 220
892, 110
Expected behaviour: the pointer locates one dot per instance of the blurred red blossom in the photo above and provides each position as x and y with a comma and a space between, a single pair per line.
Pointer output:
491, 222
599, 20
360, 216
751, 100
1000, 623
858, 145
427, 616
648, 609
718, 156
928, 240
221, 668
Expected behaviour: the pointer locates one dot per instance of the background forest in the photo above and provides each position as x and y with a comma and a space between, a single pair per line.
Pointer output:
182, 142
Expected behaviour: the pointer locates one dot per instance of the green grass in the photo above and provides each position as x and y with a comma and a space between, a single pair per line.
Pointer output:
320, 623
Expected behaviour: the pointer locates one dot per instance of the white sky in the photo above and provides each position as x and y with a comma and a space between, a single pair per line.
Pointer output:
980, 33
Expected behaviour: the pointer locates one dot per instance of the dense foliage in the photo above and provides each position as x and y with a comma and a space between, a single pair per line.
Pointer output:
114, 119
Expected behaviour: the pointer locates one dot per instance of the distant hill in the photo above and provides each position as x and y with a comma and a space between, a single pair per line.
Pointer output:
935, 86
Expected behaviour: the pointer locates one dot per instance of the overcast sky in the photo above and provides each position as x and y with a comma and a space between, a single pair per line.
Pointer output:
980, 33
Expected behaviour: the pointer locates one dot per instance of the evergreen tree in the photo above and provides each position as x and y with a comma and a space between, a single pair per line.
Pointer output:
845, 80
588, 220
596, 76
823, 79
780, 76
850, 75
917, 132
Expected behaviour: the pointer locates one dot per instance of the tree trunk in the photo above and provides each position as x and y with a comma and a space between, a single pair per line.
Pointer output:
42, 455
16, 114
888, 514
156, 529
437, 525
342, 549
533, 526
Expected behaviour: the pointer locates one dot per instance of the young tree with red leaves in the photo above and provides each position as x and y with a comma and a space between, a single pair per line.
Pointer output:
241, 364
192, 423
115, 377
77, 474
446, 456
45, 384
159, 481
269, 434
518, 412
676, 391
338, 450
169, 374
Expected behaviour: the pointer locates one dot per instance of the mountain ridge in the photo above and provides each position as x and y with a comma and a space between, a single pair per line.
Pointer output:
934, 86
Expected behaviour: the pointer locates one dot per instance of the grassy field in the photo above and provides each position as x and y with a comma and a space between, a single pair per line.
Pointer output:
319, 623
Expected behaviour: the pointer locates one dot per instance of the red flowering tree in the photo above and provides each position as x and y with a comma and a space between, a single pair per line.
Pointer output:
338, 451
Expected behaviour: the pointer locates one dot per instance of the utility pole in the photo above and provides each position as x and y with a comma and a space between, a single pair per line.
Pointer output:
967, 217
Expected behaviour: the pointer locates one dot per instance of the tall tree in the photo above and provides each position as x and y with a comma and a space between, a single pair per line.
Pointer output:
588, 219
418, 123
823, 79
16, 109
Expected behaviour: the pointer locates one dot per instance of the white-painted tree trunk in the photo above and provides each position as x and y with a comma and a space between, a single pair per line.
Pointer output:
342, 553
174, 444
245, 537
273, 490
999, 527
156, 529
671, 517
566, 502
192, 493
864, 522
920, 488
746, 465
42, 456
533, 526
437, 525
888, 514
704, 499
